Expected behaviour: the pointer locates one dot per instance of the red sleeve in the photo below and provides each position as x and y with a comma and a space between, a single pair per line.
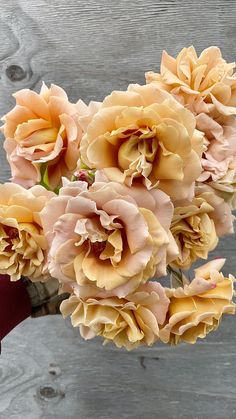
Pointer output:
14, 304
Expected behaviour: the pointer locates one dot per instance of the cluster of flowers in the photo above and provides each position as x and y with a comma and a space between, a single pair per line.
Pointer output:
109, 198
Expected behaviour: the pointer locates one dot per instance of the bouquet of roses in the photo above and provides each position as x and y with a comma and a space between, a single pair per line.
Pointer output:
111, 197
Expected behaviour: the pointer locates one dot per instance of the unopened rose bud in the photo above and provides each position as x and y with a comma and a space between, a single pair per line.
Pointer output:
84, 175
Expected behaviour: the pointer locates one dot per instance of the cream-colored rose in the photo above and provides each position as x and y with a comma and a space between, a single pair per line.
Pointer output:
42, 136
128, 322
143, 135
198, 81
23, 245
196, 309
109, 236
194, 232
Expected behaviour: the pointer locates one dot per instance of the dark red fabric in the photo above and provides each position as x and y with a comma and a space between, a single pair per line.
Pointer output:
14, 304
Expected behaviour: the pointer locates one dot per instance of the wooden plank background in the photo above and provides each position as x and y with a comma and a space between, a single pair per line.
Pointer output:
90, 48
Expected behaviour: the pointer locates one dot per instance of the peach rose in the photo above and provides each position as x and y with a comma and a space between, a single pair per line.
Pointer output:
23, 245
105, 236
197, 308
221, 214
219, 158
128, 322
198, 82
42, 136
194, 232
143, 135
207, 86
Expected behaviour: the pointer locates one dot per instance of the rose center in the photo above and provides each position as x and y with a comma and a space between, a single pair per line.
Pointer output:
141, 142
97, 248
12, 234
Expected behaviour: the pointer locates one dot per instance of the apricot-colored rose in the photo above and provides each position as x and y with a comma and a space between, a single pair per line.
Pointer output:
143, 135
42, 136
198, 81
207, 86
219, 158
194, 232
128, 322
221, 214
197, 308
106, 236
23, 245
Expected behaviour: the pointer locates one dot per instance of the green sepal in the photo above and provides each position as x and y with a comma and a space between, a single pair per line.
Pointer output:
44, 176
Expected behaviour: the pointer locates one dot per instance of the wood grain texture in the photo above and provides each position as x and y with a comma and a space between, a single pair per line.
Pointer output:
91, 48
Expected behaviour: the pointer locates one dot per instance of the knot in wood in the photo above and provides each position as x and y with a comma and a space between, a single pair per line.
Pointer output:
48, 392
15, 73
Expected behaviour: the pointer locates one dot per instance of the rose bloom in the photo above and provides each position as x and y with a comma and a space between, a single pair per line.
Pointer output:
143, 135
128, 322
207, 86
23, 245
221, 214
198, 82
219, 158
42, 136
105, 236
197, 308
194, 232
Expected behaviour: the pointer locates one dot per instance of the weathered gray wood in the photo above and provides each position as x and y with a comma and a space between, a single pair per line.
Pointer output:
46, 370
57, 375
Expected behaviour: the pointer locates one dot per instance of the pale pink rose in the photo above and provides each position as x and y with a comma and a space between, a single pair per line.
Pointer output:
42, 136
23, 245
109, 236
149, 199
143, 135
128, 322
196, 309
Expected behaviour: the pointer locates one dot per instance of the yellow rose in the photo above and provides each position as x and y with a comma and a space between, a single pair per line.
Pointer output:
196, 309
194, 232
143, 135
